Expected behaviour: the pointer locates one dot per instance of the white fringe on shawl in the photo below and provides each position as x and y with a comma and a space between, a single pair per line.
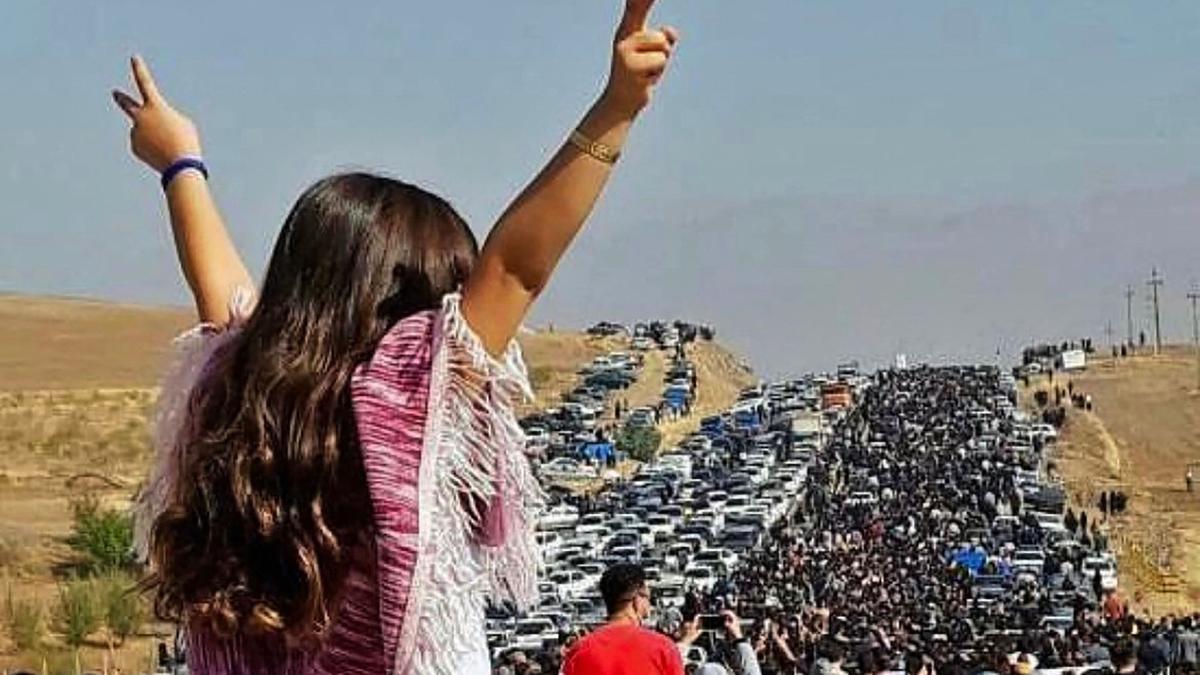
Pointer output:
193, 349
477, 540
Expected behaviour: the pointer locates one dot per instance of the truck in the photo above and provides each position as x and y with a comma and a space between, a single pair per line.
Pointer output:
836, 395
1072, 359
806, 426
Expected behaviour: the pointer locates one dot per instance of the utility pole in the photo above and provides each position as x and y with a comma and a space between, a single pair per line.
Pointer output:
1194, 296
1155, 282
1129, 314
1112, 347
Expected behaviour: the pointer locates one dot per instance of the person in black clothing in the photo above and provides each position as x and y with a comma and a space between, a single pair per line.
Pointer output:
1071, 522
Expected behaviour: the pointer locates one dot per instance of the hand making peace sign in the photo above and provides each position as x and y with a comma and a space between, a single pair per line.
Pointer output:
160, 134
640, 57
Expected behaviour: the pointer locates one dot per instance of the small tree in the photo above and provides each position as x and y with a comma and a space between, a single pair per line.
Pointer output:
78, 612
122, 607
103, 536
24, 619
640, 443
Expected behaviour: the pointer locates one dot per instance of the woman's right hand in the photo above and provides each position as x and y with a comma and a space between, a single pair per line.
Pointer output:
640, 58
160, 133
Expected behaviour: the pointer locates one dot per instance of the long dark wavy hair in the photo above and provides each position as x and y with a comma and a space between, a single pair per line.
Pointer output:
271, 501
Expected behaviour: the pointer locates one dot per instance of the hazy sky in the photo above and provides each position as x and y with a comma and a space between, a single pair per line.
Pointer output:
820, 181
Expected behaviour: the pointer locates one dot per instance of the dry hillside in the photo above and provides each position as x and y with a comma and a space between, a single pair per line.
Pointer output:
50, 343
1142, 433
76, 388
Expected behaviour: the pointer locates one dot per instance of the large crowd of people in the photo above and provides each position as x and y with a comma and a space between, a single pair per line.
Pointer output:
926, 538
887, 582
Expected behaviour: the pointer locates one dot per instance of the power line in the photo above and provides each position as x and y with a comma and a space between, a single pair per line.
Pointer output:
1112, 346
1129, 313
1194, 296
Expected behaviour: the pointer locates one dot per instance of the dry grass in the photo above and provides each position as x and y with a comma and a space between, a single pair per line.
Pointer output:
1142, 433
51, 343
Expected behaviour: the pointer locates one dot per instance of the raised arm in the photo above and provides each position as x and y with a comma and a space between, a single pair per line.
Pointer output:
160, 136
535, 230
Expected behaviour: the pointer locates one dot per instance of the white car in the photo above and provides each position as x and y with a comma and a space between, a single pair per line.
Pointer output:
1052, 522
678, 555
565, 468
620, 359
591, 573
1047, 431
571, 583
717, 498
737, 504
759, 473
568, 550
693, 541
721, 555
678, 462
660, 526
584, 414
861, 499
537, 439
687, 489
1011, 523
759, 456
642, 344
596, 534
620, 521
559, 517
534, 633
764, 513
701, 577
549, 590
549, 543
1029, 561
711, 518
669, 595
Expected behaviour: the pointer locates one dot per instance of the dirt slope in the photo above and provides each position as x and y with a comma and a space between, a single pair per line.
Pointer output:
1142, 433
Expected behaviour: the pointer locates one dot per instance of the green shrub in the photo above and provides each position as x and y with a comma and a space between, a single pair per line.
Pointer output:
540, 376
104, 537
78, 612
122, 606
24, 619
640, 443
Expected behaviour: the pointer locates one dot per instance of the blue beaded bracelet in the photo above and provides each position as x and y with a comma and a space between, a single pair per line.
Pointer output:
182, 164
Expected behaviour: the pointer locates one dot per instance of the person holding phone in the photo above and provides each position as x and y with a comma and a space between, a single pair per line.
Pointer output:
729, 649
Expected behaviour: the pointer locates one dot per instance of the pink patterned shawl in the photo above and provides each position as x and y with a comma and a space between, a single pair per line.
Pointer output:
451, 490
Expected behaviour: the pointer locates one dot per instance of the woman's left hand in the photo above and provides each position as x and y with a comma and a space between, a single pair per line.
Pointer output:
160, 134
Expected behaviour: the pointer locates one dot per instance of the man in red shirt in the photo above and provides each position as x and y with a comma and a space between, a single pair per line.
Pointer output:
622, 646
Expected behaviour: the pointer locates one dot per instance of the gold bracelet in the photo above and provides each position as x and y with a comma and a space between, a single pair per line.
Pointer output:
596, 149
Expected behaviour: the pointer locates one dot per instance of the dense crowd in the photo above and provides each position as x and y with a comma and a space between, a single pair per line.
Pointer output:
891, 582
927, 537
